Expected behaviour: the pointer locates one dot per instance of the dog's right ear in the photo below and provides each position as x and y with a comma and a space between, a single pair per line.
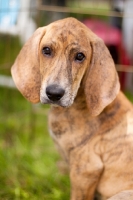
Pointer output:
26, 69
102, 82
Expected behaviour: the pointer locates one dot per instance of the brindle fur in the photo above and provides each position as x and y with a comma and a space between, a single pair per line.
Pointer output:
93, 122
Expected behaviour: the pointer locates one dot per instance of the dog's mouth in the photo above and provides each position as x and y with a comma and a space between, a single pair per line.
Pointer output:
57, 95
56, 103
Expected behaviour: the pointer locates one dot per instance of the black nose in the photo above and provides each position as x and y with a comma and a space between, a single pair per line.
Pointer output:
55, 92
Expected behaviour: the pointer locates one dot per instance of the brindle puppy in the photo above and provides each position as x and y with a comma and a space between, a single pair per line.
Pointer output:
66, 65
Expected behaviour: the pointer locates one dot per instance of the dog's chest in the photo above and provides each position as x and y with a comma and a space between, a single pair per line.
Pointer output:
62, 126
68, 129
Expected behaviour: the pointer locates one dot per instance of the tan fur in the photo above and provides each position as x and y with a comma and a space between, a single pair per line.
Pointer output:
92, 123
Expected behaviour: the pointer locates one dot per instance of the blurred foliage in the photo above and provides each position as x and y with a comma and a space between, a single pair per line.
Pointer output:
129, 95
87, 6
9, 48
28, 160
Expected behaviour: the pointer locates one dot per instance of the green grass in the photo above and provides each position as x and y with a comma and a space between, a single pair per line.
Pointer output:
28, 159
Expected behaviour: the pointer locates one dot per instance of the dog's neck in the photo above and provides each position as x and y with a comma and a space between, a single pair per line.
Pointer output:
80, 100
80, 104
66, 122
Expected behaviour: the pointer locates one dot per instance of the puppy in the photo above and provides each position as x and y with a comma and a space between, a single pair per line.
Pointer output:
66, 65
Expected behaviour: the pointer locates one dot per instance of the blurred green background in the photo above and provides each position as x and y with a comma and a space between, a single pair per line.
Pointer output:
28, 158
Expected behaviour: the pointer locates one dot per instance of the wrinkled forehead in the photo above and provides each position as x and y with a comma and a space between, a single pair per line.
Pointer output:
66, 33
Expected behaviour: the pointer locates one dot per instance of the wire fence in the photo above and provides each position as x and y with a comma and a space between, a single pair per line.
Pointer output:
92, 9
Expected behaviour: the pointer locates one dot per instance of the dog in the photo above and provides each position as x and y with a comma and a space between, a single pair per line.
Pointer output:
66, 65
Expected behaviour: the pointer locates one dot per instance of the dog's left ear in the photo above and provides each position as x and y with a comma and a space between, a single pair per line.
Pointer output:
102, 83
26, 69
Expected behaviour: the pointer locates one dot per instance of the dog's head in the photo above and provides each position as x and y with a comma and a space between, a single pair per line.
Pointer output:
52, 63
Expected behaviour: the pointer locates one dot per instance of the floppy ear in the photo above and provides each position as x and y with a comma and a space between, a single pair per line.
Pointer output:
26, 69
102, 84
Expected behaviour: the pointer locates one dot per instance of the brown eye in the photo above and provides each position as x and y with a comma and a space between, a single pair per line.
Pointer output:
46, 51
80, 57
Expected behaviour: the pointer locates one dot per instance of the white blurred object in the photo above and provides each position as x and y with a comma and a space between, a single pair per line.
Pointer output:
119, 4
15, 18
128, 28
8, 15
26, 25
7, 81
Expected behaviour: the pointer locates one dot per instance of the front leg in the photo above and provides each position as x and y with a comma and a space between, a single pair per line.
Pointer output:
84, 175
